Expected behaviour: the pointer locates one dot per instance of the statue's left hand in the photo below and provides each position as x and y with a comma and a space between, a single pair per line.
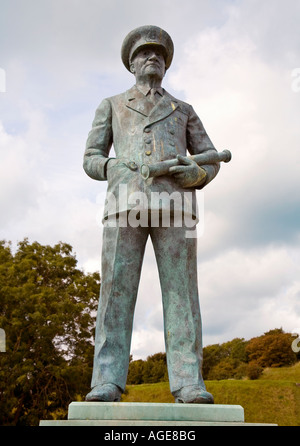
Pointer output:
188, 173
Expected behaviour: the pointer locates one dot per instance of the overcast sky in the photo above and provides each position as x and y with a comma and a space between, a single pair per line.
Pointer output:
238, 63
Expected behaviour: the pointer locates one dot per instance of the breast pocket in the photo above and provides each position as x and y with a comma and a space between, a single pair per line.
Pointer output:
177, 132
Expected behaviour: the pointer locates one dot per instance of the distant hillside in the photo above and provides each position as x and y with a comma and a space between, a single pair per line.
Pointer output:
236, 359
273, 398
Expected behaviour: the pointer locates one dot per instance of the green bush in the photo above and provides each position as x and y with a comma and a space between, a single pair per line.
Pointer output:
254, 370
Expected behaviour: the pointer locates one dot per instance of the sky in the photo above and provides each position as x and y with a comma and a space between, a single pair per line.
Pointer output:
237, 62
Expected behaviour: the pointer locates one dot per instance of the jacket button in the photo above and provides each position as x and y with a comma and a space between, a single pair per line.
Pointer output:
148, 152
147, 130
148, 141
132, 165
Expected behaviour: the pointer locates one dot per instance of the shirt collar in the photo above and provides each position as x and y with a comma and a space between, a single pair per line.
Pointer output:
145, 89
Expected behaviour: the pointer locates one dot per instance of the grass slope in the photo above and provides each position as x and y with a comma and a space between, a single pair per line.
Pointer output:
274, 398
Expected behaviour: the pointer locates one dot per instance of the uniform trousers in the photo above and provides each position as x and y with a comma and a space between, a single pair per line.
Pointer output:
122, 256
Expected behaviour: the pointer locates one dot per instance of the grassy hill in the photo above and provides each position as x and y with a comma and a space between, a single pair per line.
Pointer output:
273, 398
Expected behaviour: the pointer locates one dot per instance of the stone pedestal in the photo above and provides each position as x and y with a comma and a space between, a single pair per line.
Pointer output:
150, 414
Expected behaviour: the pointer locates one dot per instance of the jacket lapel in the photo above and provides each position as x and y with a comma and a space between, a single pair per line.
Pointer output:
163, 108
136, 101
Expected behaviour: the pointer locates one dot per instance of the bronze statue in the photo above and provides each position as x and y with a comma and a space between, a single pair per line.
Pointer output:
146, 126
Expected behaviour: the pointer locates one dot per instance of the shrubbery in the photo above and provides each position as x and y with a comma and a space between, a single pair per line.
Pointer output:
47, 310
236, 359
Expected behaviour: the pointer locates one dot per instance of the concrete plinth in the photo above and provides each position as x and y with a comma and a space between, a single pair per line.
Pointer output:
150, 414
155, 412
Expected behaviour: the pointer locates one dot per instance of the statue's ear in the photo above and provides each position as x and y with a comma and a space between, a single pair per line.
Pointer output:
132, 69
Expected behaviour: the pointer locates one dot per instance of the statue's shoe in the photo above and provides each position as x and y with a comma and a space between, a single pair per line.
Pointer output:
104, 392
192, 394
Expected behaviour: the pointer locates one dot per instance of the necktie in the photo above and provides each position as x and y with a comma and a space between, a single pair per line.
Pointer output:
153, 96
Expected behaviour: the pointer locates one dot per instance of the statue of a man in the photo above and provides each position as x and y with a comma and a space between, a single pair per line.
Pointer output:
147, 125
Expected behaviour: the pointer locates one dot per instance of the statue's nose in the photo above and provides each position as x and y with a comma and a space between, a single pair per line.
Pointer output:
153, 56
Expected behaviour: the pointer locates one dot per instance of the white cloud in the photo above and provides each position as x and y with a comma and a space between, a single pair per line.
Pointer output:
243, 293
238, 289
141, 339
20, 179
246, 105
42, 191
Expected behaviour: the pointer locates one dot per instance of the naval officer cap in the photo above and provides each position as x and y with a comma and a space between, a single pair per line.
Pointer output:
144, 36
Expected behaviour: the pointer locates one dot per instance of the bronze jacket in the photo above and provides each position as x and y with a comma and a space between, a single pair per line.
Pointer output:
141, 133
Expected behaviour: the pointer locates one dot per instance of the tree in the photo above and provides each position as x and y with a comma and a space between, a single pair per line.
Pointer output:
135, 372
221, 358
47, 309
153, 370
236, 349
225, 369
273, 349
212, 355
